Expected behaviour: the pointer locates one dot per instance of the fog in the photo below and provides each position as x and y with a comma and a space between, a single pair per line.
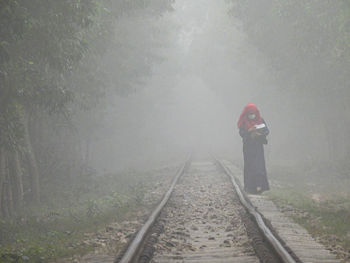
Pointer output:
193, 97
102, 101
131, 84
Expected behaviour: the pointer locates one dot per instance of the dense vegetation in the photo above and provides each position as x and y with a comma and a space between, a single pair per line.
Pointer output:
54, 73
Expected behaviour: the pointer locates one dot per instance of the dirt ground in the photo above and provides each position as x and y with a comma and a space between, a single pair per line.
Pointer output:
111, 240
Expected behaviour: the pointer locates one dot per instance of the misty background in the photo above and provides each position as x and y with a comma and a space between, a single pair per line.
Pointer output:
95, 87
217, 56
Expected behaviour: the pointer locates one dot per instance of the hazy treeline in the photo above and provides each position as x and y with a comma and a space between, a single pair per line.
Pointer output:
307, 48
55, 71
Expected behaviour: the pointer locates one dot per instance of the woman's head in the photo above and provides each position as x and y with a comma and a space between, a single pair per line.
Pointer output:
251, 108
250, 116
251, 111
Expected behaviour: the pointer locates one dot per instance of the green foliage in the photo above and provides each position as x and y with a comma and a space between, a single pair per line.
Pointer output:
326, 219
41, 42
44, 234
92, 208
11, 119
58, 60
118, 200
302, 38
50, 50
138, 192
319, 201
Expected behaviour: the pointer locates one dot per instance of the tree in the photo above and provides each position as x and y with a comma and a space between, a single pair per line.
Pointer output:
53, 68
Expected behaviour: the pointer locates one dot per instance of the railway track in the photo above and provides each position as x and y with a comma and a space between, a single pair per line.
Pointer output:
205, 217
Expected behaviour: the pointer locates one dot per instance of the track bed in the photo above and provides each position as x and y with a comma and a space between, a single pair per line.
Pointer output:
202, 221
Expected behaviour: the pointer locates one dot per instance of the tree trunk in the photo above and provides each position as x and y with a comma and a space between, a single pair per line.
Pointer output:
5, 204
2, 178
32, 163
17, 181
10, 203
87, 152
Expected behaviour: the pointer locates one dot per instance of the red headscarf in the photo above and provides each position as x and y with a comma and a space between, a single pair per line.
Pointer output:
244, 122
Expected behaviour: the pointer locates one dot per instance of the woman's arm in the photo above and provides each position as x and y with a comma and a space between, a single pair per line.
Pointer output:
264, 131
243, 132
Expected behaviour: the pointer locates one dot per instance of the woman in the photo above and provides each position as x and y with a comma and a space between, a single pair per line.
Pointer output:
253, 131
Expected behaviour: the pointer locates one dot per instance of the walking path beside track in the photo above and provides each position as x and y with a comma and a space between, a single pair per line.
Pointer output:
307, 249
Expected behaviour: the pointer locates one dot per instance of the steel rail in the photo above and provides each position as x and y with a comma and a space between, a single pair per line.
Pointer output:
136, 244
275, 243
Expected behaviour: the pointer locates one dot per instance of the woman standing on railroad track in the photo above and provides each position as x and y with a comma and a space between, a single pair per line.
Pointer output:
253, 131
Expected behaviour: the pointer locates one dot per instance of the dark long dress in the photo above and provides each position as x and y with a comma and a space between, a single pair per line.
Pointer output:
254, 162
